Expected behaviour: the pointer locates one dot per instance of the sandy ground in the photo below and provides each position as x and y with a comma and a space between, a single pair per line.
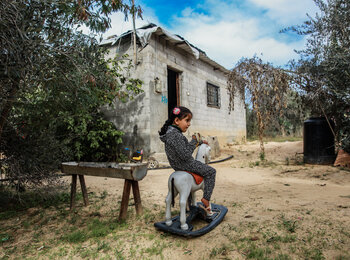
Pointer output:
257, 197
277, 209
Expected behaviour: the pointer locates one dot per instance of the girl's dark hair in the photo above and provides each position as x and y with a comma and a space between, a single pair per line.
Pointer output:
180, 112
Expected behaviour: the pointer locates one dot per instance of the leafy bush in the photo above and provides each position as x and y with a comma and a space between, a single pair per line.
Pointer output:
91, 138
54, 80
323, 70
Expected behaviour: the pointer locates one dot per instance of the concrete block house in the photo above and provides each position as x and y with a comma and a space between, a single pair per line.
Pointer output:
174, 72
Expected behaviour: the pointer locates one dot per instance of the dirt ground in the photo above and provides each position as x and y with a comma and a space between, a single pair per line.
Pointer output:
277, 209
313, 198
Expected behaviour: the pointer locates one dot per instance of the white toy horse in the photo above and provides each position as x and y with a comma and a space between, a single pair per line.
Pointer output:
185, 184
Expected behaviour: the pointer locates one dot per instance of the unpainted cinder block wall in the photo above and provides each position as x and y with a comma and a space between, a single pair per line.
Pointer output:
142, 117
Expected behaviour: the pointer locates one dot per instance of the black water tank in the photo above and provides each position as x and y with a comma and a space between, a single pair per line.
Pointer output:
318, 141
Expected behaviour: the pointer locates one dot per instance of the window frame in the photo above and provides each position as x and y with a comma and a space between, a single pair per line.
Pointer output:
210, 103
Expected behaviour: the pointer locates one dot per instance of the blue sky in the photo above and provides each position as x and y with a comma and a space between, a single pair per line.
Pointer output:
228, 30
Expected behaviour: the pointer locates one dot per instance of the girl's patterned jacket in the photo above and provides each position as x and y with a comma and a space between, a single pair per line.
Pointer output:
178, 149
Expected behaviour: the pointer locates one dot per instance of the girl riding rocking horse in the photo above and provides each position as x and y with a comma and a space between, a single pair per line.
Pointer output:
179, 151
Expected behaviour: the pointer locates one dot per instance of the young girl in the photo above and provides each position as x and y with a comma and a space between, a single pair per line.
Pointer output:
179, 151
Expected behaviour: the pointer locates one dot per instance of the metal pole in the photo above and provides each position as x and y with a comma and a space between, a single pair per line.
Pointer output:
134, 33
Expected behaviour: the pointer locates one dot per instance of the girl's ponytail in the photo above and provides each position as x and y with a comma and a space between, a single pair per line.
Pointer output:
165, 126
180, 112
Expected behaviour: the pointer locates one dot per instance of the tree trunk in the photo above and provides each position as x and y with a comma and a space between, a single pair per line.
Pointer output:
261, 133
283, 130
7, 107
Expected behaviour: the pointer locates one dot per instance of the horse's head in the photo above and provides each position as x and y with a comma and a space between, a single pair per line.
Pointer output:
203, 154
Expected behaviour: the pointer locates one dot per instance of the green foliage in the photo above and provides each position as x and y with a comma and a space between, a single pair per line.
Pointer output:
293, 115
289, 225
54, 80
262, 156
224, 250
4, 237
90, 137
77, 236
12, 205
289, 123
94, 229
156, 248
323, 70
252, 124
254, 252
345, 134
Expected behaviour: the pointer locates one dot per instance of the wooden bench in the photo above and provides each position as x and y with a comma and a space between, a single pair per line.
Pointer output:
131, 172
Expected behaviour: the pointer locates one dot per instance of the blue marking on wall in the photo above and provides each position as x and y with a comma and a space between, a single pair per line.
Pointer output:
164, 99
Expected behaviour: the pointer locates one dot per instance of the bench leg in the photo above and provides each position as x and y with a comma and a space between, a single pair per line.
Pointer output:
84, 190
125, 200
73, 191
137, 197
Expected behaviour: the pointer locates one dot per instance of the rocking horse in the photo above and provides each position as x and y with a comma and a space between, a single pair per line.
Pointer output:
186, 184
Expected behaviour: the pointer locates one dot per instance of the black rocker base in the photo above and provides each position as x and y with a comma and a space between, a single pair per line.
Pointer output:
195, 212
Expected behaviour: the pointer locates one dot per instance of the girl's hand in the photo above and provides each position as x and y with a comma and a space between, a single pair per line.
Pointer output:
205, 142
197, 136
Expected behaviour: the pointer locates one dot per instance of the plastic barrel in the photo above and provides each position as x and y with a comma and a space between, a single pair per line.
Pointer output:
318, 141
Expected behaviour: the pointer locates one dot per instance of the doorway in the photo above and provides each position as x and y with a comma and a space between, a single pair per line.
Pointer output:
173, 90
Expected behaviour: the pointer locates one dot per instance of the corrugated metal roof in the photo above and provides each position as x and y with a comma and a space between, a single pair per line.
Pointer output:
144, 34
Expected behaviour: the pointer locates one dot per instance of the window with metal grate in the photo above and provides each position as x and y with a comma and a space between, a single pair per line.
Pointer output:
213, 95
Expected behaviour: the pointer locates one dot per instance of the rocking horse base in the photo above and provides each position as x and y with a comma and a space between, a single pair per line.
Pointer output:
194, 213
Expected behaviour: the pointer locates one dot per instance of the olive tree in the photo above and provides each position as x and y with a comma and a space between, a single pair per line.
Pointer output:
53, 80
323, 70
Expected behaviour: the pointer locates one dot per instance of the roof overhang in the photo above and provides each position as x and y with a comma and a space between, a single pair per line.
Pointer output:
144, 35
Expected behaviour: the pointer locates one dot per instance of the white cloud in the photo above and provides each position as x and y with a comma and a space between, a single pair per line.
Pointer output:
119, 25
287, 12
227, 34
228, 42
